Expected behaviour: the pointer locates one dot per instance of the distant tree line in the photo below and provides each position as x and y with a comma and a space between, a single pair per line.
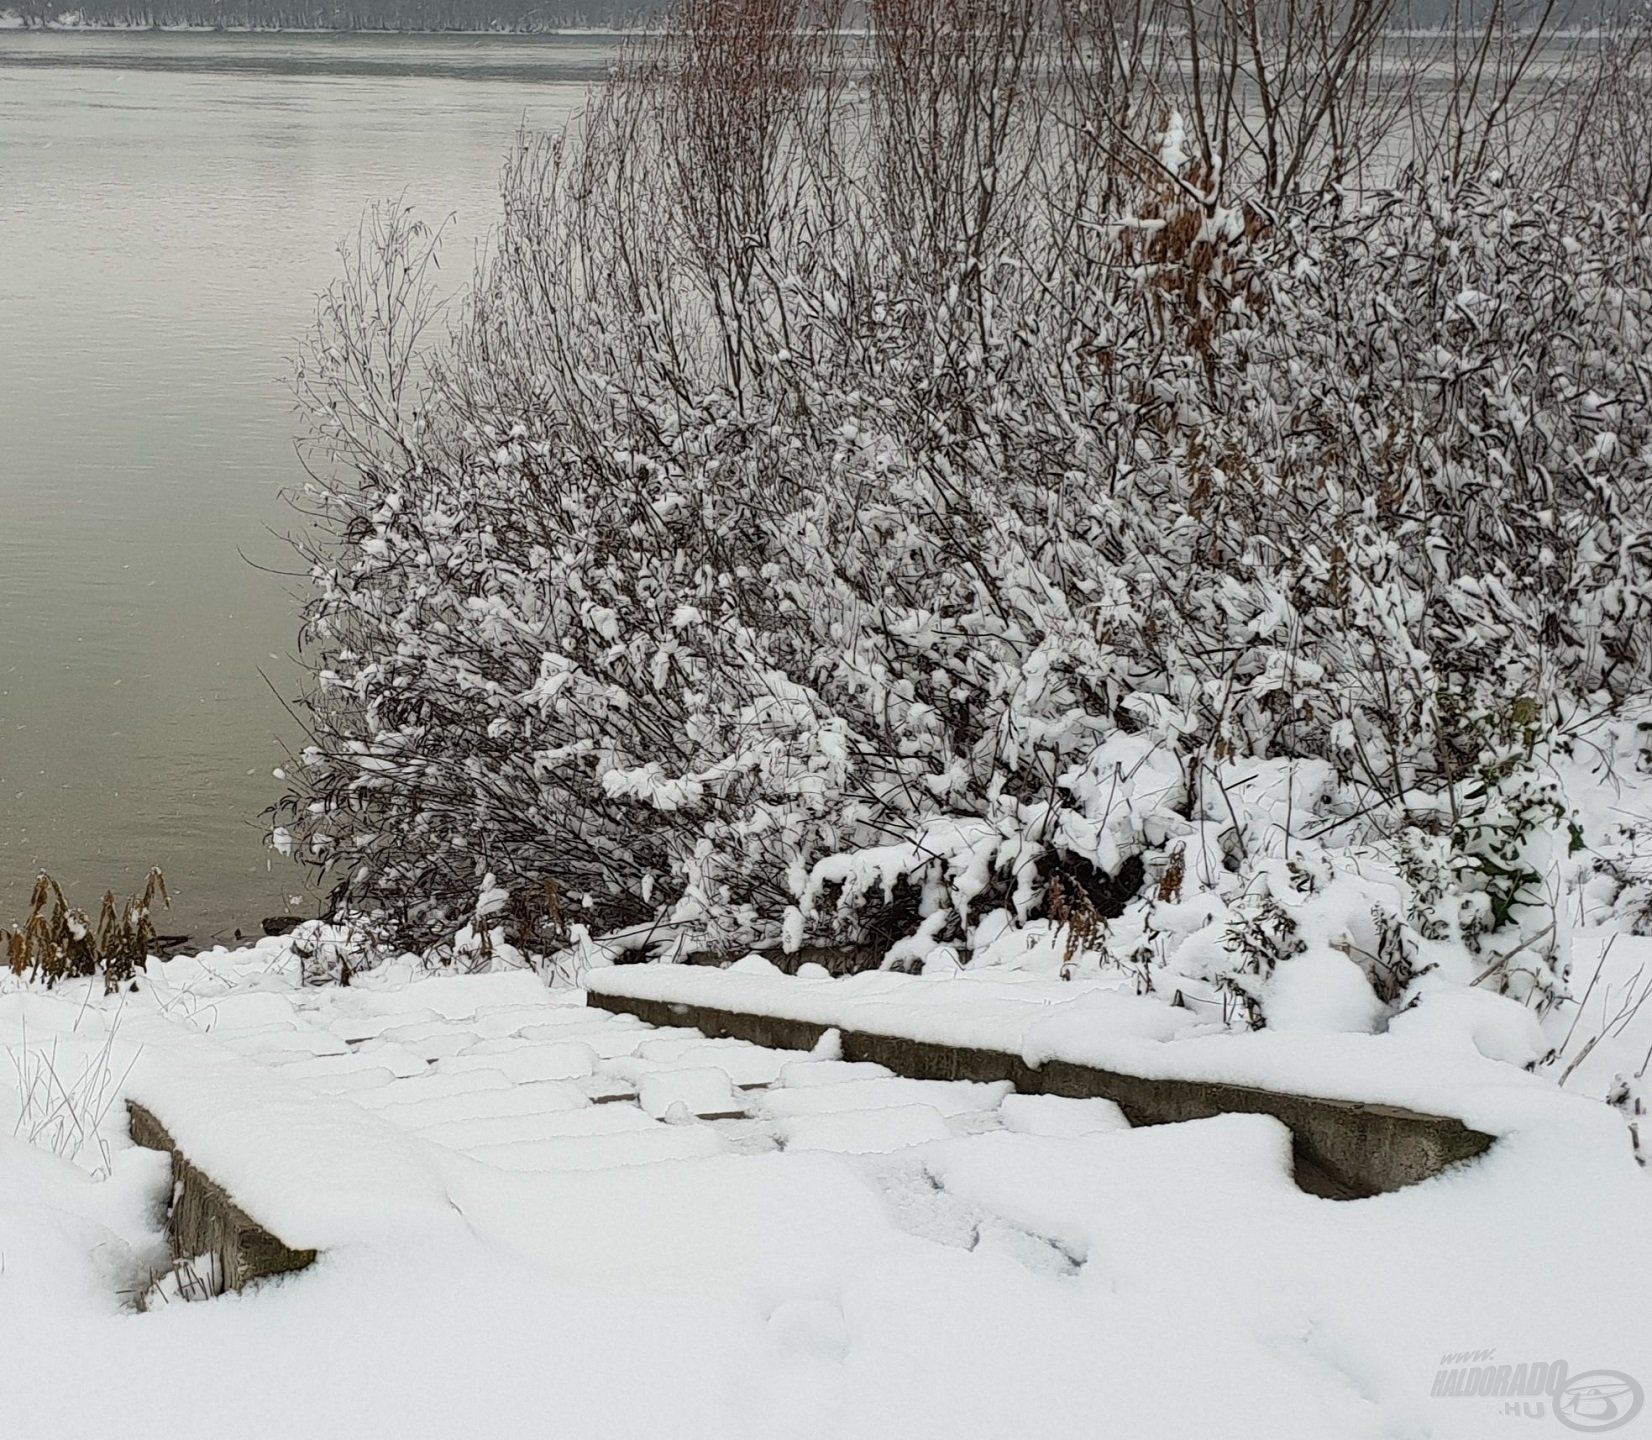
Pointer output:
528, 16
458, 15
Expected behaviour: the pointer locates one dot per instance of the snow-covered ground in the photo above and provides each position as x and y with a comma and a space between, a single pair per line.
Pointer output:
540, 1219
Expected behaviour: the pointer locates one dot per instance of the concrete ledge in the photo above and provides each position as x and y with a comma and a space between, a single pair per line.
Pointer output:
1344, 1150
205, 1220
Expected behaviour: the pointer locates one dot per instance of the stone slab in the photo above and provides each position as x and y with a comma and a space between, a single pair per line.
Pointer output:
1343, 1149
206, 1220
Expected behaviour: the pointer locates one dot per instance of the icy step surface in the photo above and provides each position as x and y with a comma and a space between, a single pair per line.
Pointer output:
522, 1080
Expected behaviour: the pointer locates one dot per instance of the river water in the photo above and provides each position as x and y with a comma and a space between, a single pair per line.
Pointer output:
170, 205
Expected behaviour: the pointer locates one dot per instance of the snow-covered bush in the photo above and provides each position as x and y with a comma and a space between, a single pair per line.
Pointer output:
333, 954
902, 515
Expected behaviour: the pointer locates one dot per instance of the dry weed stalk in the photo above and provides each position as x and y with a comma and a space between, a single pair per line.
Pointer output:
1074, 912
60, 942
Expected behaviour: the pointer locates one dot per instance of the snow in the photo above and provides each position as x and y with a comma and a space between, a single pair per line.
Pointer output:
855, 1254
470, 1082
1058, 1118
945, 1097
1474, 1022
1322, 991
527, 1062
801, 1073
616, 1140
688, 1093
865, 1132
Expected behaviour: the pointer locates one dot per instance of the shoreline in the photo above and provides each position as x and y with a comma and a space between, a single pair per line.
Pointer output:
11, 22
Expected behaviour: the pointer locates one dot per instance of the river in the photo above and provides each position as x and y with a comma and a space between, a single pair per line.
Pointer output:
170, 206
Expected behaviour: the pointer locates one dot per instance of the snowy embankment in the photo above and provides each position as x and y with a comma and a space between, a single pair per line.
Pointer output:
538, 1219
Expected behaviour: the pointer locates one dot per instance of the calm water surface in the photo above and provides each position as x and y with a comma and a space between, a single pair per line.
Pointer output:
169, 207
